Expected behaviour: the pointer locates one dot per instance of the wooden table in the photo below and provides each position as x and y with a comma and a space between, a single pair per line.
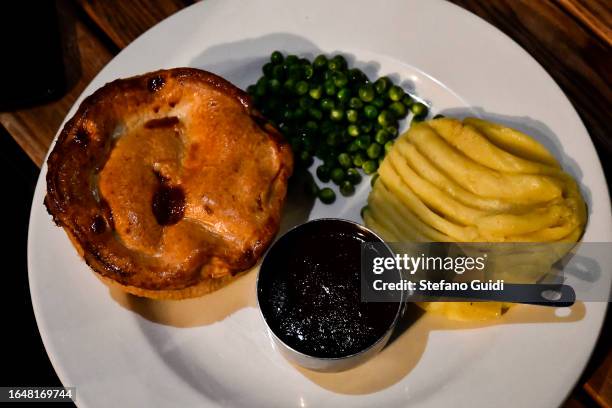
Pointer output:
572, 39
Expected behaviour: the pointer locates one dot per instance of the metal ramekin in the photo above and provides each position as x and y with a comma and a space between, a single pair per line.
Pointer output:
331, 364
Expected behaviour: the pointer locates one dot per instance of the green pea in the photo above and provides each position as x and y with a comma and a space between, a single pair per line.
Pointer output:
274, 85
327, 75
381, 136
305, 102
337, 63
381, 85
366, 93
353, 176
323, 173
320, 62
396, 93
331, 161
305, 158
345, 138
388, 146
278, 72
343, 95
308, 144
301, 87
393, 124
407, 101
439, 116
289, 85
366, 127
341, 61
336, 114
295, 72
370, 167
308, 71
327, 126
373, 180
337, 175
332, 139
333, 65
352, 116
327, 104
355, 103
419, 109
271, 106
385, 118
352, 147
399, 109
298, 113
276, 57
356, 76
347, 189
291, 60
327, 195
392, 130
353, 130
323, 151
329, 87
364, 141
312, 126
370, 111
261, 86
378, 102
311, 187
373, 151
267, 69
315, 92
416, 119
363, 210
358, 159
315, 113
345, 160
340, 79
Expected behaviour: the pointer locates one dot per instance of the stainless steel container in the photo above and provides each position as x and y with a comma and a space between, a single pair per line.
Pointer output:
324, 363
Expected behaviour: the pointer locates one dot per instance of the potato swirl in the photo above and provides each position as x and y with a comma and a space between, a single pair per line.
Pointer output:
474, 181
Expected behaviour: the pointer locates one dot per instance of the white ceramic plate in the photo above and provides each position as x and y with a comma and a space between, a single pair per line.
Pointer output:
120, 351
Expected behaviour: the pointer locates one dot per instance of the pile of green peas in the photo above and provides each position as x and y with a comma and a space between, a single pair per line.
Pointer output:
327, 110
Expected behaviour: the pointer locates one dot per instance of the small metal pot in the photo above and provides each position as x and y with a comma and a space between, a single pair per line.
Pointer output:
327, 364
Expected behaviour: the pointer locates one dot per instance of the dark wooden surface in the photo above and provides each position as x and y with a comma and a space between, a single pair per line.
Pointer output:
594, 14
33, 128
578, 59
571, 39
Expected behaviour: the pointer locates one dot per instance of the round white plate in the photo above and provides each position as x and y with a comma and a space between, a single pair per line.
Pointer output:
121, 351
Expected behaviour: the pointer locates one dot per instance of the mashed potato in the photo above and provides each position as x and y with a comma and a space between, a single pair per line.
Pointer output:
474, 181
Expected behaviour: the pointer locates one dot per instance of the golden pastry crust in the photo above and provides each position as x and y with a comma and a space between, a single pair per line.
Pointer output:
168, 183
